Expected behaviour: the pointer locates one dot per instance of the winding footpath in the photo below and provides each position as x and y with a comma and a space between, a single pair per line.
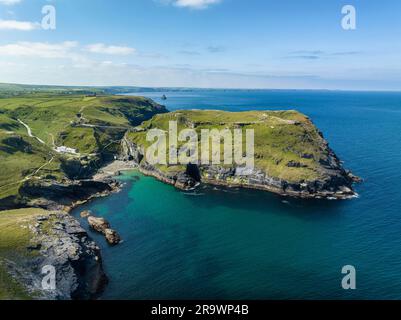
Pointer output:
30, 176
28, 129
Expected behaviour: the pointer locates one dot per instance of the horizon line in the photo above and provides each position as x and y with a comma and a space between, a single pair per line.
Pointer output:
202, 88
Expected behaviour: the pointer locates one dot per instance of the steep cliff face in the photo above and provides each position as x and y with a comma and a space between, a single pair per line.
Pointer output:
291, 156
53, 257
60, 195
130, 151
63, 244
338, 184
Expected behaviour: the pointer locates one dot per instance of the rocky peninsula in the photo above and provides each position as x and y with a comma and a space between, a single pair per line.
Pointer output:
292, 158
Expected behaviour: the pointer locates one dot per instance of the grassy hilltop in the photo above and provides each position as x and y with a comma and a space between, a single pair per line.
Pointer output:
282, 138
291, 157
91, 125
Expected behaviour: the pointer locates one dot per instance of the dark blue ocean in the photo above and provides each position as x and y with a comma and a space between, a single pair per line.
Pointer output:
248, 244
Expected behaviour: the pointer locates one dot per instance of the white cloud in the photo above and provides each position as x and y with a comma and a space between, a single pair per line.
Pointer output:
38, 49
9, 2
112, 50
18, 25
195, 4
192, 4
70, 50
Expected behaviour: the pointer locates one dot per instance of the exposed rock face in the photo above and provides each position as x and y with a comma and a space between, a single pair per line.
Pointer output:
180, 180
112, 236
85, 214
55, 195
98, 224
62, 243
336, 184
75, 169
103, 226
130, 152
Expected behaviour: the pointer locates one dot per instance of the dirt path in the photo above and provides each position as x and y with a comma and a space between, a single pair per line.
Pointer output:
31, 175
28, 129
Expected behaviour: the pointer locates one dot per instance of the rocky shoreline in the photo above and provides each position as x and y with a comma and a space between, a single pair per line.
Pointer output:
58, 241
65, 195
337, 184
258, 181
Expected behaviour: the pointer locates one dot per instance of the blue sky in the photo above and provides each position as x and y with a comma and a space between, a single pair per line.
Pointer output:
203, 43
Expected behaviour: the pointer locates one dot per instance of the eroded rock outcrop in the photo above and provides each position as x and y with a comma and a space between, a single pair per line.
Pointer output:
292, 157
60, 242
112, 236
98, 224
101, 225
54, 195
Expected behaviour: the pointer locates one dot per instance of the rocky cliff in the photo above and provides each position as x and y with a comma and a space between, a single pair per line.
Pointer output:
58, 241
292, 158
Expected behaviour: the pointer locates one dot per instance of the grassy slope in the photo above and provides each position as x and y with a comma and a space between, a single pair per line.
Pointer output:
54, 118
20, 157
280, 137
14, 239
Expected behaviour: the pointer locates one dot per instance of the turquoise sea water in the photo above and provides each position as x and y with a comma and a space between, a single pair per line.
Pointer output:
253, 245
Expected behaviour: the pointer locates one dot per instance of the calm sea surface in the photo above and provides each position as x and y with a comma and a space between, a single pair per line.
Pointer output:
232, 244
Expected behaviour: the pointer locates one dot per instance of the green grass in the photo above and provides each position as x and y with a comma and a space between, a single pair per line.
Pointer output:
51, 114
14, 238
58, 120
15, 90
280, 137
20, 157
10, 289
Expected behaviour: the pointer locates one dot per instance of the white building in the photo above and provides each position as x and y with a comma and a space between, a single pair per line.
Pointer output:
64, 149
